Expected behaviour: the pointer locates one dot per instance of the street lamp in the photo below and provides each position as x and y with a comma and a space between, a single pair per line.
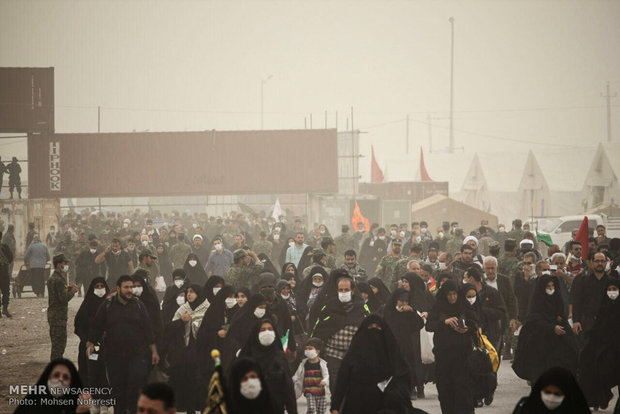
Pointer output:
262, 87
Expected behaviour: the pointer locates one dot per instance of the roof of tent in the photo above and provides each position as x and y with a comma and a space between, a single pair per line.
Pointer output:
565, 169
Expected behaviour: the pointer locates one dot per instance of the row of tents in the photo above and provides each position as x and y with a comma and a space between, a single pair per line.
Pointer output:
538, 183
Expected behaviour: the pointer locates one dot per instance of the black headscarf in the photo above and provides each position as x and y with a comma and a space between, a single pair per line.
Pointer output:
306, 258
384, 293
214, 319
574, 400
547, 306
147, 295
169, 303
207, 289
76, 382
268, 264
260, 353
285, 271
199, 296
421, 299
446, 308
89, 307
240, 404
610, 308
196, 274
245, 320
373, 302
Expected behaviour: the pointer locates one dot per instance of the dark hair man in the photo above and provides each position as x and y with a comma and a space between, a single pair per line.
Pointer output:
156, 398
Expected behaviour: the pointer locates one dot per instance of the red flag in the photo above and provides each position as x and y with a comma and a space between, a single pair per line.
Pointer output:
376, 175
583, 234
423, 173
358, 218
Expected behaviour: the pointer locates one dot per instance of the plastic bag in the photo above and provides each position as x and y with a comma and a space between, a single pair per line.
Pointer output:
426, 347
160, 284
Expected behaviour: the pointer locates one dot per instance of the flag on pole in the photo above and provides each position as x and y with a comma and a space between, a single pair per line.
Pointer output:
543, 237
583, 234
277, 210
284, 340
359, 218
216, 393
376, 175
423, 173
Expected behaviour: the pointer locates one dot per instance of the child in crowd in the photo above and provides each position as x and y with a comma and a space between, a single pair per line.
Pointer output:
312, 378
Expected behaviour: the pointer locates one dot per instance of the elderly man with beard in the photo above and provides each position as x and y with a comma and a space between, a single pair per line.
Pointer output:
123, 325
338, 321
502, 284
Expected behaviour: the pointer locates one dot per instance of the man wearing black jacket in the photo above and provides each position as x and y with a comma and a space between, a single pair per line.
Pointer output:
338, 321
6, 259
524, 282
123, 324
502, 284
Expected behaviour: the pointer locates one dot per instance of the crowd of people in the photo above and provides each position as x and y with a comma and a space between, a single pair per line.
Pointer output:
357, 323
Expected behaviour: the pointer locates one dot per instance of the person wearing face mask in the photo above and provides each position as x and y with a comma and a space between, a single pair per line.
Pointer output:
599, 362
546, 339
248, 388
339, 314
93, 298
264, 345
283, 288
308, 291
165, 264
244, 320
524, 283
182, 347
58, 377
59, 296
180, 282
311, 378
453, 323
220, 259
211, 288
557, 392
278, 310
373, 376
148, 298
87, 268
406, 323
194, 270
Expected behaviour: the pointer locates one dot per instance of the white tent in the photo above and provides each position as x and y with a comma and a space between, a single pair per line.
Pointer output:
601, 186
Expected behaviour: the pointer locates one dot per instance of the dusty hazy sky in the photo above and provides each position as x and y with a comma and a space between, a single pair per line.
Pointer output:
524, 70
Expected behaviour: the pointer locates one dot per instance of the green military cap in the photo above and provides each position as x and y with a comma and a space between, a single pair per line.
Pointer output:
239, 254
59, 258
397, 241
147, 252
494, 244
318, 253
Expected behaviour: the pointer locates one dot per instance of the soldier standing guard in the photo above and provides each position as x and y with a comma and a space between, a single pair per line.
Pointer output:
59, 296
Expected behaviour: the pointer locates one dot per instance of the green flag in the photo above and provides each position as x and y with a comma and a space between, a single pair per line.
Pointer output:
545, 238
284, 340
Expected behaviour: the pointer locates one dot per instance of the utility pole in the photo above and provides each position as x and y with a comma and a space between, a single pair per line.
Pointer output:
608, 96
451, 149
99, 131
407, 141
430, 134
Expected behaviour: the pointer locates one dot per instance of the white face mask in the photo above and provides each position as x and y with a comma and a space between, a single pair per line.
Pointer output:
423, 230
471, 300
218, 246
393, 233
93, 251
317, 284
215, 290
291, 243
344, 297
285, 297
251, 388
57, 387
550, 291
608, 267
178, 283
502, 229
259, 312
99, 292
322, 231
546, 272
442, 266
399, 308
310, 353
180, 300
440, 234
145, 243
125, 225
230, 302
276, 237
551, 401
612, 294
192, 263
266, 338
402, 234
138, 290
65, 268
381, 237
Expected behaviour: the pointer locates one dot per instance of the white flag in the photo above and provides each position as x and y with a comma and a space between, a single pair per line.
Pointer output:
277, 210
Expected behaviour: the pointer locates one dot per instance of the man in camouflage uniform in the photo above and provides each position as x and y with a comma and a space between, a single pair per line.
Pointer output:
147, 263
343, 243
517, 231
262, 245
59, 296
387, 264
247, 267
179, 252
402, 266
319, 258
329, 246
353, 268
507, 262
453, 246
